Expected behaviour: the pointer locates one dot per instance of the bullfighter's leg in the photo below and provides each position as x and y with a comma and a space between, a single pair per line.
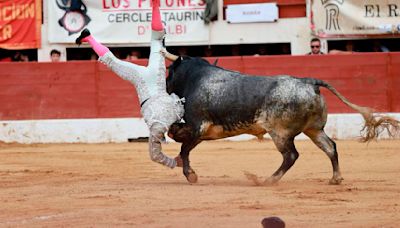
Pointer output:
125, 70
329, 147
157, 131
285, 145
85, 36
186, 147
156, 58
156, 23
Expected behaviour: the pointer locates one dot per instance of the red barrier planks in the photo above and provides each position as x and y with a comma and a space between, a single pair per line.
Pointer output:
86, 89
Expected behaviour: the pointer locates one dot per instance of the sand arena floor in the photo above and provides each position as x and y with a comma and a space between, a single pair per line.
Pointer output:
109, 185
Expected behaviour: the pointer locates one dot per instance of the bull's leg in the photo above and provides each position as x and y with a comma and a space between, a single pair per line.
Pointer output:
180, 132
329, 147
285, 145
186, 147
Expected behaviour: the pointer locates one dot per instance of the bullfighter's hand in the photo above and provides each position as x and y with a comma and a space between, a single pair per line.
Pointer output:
179, 162
164, 52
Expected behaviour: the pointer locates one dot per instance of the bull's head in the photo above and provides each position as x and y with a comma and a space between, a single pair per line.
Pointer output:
175, 73
181, 72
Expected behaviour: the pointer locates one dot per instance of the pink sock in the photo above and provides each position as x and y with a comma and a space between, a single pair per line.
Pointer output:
156, 23
97, 47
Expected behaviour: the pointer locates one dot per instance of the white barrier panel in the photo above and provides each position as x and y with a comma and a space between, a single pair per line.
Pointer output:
73, 130
339, 126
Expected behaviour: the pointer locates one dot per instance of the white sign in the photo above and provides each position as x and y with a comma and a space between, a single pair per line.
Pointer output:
355, 17
126, 21
245, 13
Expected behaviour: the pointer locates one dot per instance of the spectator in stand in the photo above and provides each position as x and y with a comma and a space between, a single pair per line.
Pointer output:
315, 45
235, 50
378, 47
94, 57
208, 52
261, 50
183, 51
349, 49
24, 58
285, 49
19, 57
133, 55
5, 59
5, 55
55, 55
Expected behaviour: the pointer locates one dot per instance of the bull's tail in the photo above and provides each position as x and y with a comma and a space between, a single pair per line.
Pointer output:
374, 124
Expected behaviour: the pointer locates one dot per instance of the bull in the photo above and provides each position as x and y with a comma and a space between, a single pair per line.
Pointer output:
221, 103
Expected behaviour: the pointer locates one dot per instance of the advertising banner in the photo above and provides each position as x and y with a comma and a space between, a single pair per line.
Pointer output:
20, 24
126, 21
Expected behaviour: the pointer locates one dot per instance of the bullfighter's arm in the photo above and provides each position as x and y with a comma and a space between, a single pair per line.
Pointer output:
168, 55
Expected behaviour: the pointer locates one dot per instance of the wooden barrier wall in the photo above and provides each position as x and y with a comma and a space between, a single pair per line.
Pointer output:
87, 89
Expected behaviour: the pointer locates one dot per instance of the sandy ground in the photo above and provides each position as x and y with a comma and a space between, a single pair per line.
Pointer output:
108, 185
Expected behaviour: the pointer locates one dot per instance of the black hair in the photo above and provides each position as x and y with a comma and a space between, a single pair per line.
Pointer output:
315, 39
54, 51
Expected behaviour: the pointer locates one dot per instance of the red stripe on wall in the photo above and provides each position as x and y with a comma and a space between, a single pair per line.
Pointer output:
86, 89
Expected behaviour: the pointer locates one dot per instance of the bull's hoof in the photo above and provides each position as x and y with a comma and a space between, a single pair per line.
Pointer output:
270, 181
336, 181
192, 176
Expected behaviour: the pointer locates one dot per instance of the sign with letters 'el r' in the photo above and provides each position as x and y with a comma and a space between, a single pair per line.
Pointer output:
355, 17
